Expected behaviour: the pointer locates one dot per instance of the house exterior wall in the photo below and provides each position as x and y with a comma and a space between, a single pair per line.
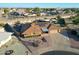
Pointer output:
32, 34
54, 31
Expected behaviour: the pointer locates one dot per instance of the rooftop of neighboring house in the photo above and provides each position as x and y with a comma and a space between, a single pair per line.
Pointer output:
42, 23
14, 13
20, 11
33, 29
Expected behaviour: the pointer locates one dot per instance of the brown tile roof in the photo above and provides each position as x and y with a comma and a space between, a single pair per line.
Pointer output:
34, 29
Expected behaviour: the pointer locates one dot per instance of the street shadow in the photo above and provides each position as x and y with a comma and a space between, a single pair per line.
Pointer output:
59, 53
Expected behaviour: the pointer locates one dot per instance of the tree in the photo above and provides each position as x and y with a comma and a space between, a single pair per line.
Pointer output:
37, 9
6, 10
61, 21
58, 17
28, 10
67, 10
8, 28
76, 21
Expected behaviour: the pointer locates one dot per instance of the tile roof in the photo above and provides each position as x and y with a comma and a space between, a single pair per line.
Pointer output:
34, 29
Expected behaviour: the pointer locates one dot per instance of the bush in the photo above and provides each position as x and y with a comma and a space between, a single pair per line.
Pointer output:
76, 21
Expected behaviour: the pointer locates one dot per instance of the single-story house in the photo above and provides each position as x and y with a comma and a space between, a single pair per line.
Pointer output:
52, 20
54, 29
5, 37
42, 23
43, 14
46, 19
32, 14
33, 30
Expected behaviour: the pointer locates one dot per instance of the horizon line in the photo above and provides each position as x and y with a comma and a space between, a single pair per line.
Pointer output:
40, 5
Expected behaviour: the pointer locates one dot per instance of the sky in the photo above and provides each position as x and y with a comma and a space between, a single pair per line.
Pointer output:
41, 5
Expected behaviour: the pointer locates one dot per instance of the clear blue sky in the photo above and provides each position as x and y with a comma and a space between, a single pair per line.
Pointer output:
42, 5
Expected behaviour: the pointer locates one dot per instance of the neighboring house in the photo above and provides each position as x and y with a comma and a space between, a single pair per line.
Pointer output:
50, 13
8, 28
43, 25
32, 15
13, 14
21, 11
43, 14
5, 37
52, 20
26, 14
54, 29
34, 30
46, 19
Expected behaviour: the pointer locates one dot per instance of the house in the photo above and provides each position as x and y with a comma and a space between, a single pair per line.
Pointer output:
32, 14
50, 13
43, 14
54, 29
46, 19
12, 14
5, 37
53, 20
21, 11
33, 30
43, 25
